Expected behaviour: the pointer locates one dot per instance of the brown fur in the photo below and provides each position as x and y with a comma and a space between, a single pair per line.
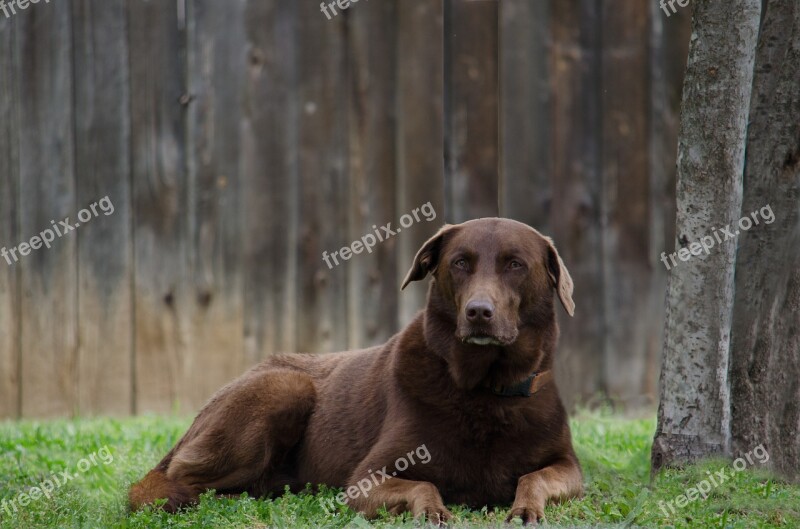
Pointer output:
337, 418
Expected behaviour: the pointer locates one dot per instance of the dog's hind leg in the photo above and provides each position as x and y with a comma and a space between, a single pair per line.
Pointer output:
244, 432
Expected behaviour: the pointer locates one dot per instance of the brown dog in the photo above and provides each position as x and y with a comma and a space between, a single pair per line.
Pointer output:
460, 407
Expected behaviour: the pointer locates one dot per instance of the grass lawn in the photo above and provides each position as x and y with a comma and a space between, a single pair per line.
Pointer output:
614, 453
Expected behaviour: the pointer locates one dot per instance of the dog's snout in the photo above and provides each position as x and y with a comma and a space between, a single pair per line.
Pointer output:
479, 311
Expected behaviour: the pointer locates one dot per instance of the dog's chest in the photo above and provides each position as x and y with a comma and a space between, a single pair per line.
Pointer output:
478, 473
484, 423
478, 460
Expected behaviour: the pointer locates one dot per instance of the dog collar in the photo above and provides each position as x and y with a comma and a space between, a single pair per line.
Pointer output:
526, 388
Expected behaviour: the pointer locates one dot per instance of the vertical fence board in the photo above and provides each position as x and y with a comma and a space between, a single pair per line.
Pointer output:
9, 232
216, 60
525, 187
269, 179
322, 172
420, 129
159, 203
47, 192
372, 277
105, 251
631, 350
576, 214
471, 108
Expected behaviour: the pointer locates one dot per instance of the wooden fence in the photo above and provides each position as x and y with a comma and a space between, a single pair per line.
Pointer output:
239, 139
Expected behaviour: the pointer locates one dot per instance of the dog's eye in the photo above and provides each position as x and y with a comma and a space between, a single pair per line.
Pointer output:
514, 265
461, 263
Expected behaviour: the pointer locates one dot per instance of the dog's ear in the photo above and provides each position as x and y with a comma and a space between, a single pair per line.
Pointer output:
427, 258
560, 277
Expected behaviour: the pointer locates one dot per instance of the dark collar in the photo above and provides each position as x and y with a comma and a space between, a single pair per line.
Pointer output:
526, 388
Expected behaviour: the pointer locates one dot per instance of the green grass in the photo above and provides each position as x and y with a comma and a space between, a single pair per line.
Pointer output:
614, 453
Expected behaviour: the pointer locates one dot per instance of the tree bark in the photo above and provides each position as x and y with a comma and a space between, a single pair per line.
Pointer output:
765, 338
694, 412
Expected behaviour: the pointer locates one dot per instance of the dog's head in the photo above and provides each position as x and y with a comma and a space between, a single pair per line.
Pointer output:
493, 278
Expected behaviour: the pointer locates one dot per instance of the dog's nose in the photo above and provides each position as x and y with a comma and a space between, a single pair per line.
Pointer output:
479, 311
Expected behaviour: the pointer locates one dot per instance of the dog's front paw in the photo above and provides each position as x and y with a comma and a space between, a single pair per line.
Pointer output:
528, 514
428, 502
437, 515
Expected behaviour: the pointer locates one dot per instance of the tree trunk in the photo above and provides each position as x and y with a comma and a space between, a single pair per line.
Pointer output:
694, 413
765, 338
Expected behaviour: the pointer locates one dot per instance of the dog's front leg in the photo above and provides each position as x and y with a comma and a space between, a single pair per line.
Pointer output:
421, 498
560, 481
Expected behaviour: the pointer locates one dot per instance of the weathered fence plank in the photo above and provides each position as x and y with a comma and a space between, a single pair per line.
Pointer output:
9, 228
372, 277
162, 291
324, 181
47, 191
576, 211
105, 245
471, 108
269, 179
631, 350
525, 129
420, 129
217, 56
